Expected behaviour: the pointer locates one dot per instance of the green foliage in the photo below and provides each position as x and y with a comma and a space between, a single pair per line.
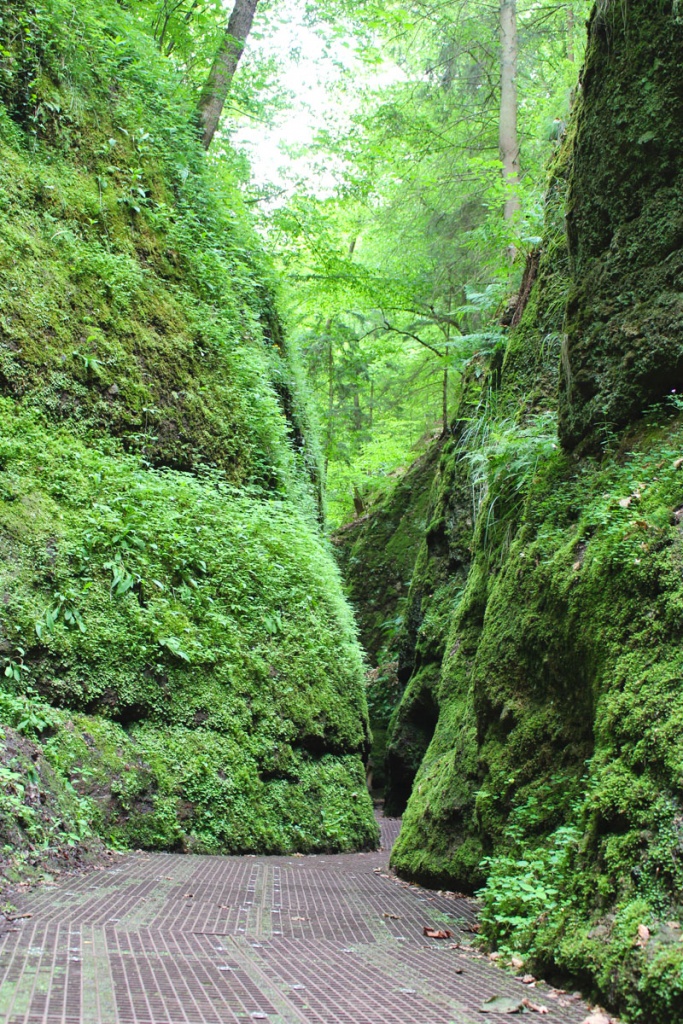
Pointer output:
121, 250
504, 456
398, 281
172, 626
530, 883
40, 816
210, 616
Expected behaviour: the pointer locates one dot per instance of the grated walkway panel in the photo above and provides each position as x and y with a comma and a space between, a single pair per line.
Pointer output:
179, 939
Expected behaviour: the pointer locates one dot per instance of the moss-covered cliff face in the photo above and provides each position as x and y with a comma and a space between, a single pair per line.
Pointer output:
624, 331
553, 777
557, 752
173, 630
377, 554
439, 577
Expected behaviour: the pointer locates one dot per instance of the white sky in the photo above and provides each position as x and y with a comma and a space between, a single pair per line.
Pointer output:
311, 65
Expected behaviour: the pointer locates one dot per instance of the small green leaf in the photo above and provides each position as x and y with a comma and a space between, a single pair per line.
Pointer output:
502, 1004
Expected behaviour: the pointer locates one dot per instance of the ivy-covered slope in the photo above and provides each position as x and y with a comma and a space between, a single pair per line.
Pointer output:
553, 776
173, 629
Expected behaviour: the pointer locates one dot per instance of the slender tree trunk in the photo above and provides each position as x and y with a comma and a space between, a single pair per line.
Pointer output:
217, 87
330, 392
508, 140
372, 404
444, 401
357, 414
570, 35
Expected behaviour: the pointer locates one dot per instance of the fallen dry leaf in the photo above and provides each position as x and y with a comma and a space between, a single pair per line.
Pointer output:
437, 933
528, 979
625, 502
394, 917
517, 962
534, 1007
597, 1017
643, 935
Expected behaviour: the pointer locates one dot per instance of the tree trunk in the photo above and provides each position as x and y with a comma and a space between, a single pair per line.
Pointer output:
508, 141
444, 402
217, 87
357, 414
330, 392
570, 35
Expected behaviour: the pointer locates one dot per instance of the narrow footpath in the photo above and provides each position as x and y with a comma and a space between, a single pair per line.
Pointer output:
174, 939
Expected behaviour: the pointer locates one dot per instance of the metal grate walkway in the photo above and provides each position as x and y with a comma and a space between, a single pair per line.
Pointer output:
173, 939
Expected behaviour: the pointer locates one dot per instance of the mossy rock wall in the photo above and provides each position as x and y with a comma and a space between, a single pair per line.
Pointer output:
171, 618
624, 331
439, 576
43, 824
557, 747
553, 775
136, 300
377, 553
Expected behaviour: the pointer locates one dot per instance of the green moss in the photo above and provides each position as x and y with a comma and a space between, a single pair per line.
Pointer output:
165, 592
44, 824
136, 301
203, 791
377, 555
559, 729
433, 845
212, 620
532, 354
624, 323
437, 585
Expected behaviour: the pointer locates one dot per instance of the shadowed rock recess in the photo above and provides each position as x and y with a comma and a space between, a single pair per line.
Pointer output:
181, 670
545, 617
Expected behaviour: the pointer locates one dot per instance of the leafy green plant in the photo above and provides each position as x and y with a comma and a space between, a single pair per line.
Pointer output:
15, 669
64, 609
522, 891
504, 455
